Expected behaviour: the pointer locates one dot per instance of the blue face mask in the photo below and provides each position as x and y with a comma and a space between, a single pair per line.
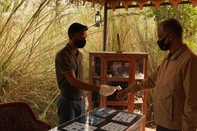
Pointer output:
162, 44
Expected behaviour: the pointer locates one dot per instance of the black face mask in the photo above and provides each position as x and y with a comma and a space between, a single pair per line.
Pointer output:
79, 43
162, 44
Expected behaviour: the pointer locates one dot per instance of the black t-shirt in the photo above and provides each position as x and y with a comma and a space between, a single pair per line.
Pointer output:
67, 61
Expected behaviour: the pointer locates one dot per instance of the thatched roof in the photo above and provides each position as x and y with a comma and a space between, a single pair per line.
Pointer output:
141, 3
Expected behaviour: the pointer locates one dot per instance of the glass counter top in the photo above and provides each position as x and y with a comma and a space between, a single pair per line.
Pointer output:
103, 119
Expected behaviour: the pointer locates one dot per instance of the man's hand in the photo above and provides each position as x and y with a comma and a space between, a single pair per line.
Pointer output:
132, 88
106, 90
121, 95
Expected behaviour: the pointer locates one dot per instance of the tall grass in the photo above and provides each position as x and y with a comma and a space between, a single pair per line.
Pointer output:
31, 33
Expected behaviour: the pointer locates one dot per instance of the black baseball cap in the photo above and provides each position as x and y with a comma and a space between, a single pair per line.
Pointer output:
76, 27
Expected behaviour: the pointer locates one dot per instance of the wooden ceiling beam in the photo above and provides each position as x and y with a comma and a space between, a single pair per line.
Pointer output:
147, 5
